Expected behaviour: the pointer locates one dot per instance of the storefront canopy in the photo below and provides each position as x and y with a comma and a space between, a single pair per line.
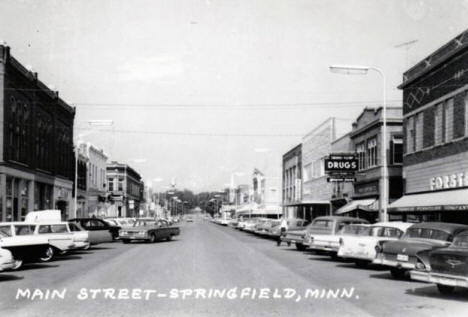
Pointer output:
360, 204
433, 201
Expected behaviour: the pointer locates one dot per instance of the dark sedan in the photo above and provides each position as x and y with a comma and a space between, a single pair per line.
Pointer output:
448, 266
412, 250
99, 230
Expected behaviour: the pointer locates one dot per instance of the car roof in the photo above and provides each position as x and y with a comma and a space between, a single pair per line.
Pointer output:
444, 226
342, 218
394, 224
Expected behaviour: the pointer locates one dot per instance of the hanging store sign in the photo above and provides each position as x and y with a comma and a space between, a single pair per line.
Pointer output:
341, 167
341, 163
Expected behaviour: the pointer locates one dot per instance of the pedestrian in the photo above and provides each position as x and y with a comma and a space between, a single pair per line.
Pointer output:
283, 229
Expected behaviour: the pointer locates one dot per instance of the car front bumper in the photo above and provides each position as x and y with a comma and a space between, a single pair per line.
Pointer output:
438, 278
4, 266
81, 245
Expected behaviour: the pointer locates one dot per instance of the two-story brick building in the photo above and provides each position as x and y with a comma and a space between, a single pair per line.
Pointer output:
366, 140
36, 143
435, 110
125, 190
292, 182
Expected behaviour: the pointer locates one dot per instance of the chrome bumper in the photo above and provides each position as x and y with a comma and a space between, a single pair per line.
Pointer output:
438, 278
399, 264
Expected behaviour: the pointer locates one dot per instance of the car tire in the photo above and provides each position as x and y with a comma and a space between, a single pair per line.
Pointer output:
152, 238
289, 244
300, 247
334, 256
48, 255
169, 238
445, 289
87, 246
397, 273
125, 241
18, 264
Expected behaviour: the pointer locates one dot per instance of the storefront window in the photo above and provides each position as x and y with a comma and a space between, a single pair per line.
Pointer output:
372, 152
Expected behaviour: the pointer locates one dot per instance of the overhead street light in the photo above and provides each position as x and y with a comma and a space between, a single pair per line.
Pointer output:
363, 70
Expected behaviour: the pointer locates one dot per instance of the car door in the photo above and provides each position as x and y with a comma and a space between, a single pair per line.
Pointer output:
102, 229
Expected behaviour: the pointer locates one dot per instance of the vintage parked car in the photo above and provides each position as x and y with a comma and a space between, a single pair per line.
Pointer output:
59, 238
250, 224
119, 222
448, 266
24, 248
361, 247
267, 227
99, 230
414, 247
7, 262
261, 225
148, 230
295, 233
323, 234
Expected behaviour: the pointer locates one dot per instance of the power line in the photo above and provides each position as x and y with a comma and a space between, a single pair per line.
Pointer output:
194, 133
286, 106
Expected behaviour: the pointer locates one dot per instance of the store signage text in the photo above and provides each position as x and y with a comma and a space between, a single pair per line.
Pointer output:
449, 181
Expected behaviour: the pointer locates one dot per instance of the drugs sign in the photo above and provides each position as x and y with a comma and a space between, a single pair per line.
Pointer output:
341, 164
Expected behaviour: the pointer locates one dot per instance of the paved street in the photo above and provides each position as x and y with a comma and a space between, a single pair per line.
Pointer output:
208, 256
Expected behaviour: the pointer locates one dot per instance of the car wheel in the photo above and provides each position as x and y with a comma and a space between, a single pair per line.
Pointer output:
334, 256
397, 273
17, 265
87, 246
125, 241
169, 238
48, 255
445, 289
152, 238
300, 247
289, 244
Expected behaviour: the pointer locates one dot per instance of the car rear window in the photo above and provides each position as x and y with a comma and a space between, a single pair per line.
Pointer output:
387, 232
52, 229
425, 233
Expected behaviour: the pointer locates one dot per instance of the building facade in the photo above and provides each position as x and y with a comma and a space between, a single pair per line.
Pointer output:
36, 144
316, 190
125, 190
292, 181
435, 110
82, 186
366, 139
96, 180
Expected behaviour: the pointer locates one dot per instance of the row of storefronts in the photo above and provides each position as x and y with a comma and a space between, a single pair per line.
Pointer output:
39, 161
426, 149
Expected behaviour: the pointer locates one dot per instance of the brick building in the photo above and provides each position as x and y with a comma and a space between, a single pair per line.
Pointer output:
366, 140
342, 192
435, 158
36, 144
292, 181
125, 189
316, 190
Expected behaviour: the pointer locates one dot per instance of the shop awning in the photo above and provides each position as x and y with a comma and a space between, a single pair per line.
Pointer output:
433, 201
361, 204
307, 203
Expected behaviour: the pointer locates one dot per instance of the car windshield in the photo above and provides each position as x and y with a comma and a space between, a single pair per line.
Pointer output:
426, 233
461, 241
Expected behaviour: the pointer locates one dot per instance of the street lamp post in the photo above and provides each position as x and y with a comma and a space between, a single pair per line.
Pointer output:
363, 70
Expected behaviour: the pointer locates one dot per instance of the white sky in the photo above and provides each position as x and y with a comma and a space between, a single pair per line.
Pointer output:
125, 59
